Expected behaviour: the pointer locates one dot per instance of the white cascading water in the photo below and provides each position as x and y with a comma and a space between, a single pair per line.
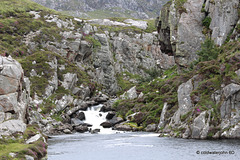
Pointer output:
95, 118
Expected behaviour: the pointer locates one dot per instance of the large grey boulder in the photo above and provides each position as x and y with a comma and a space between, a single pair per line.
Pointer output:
12, 126
151, 128
130, 94
230, 89
70, 79
8, 102
11, 74
184, 101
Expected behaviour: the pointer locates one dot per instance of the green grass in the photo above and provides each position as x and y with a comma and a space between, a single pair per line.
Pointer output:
12, 148
13, 7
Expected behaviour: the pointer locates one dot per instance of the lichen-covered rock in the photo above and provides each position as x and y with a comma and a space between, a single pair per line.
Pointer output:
224, 15
184, 101
130, 94
7, 128
181, 26
14, 90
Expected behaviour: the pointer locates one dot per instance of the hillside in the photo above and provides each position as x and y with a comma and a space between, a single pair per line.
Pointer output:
178, 75
139, 9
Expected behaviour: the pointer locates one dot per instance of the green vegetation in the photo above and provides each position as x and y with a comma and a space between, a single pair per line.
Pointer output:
207, 21
17, 145
216, 66
96, 44
209, 51
179, 6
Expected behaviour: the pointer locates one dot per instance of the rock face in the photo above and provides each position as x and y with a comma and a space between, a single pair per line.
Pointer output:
193, 121
107, 56
120, 8
181, 27
14, 96
224, 15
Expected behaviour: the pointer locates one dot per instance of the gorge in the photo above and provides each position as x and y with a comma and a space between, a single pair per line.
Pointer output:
177, 75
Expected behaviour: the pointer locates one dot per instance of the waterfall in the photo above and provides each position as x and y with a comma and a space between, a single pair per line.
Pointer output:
95, 118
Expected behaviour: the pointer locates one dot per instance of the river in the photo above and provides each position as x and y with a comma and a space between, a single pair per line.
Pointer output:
114, 145
138, 146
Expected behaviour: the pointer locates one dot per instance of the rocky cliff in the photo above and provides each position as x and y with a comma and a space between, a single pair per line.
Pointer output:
141, 9
146, 80
184, 25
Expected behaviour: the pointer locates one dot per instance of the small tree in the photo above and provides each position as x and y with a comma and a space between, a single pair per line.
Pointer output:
209, 50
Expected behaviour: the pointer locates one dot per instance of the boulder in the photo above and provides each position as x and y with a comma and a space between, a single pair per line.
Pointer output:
122, 127
230, 89
116, 120
151, 128
12, 126
76, 121
81, 116
130, 94
67, 131
106, 124
8, 102
95, 131
33, 139
70, 79
81, 129
110, 115
106, 108
10, 85
184, 101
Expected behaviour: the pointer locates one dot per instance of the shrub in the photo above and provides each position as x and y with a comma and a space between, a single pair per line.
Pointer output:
209, 51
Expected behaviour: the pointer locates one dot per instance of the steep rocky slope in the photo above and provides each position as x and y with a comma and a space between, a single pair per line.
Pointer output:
200, 97
141, 9
73, 64
184, 25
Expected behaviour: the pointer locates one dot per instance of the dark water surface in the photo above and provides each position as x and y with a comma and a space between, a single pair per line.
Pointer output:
139, 146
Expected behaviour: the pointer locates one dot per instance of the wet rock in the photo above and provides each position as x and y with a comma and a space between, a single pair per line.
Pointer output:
95, 131
81, 129
110, 115
122, 127
76, 121
67, 131
106, 108
116, 120
106, 124
81, 116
